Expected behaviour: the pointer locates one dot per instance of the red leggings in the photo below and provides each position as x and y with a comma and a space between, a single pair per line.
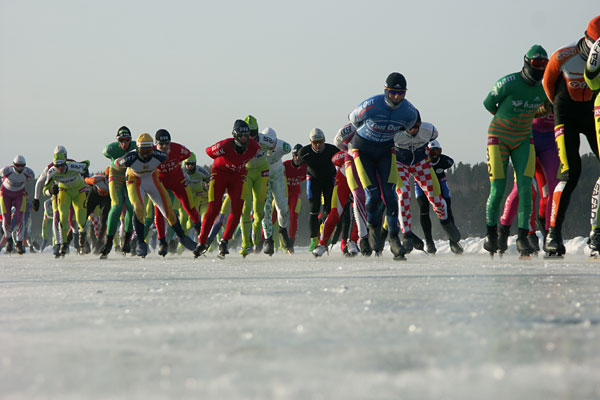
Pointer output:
220, 181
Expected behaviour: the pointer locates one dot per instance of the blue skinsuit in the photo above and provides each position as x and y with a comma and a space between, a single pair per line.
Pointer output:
373, 152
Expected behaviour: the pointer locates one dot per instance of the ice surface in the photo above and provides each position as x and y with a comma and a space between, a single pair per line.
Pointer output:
295, 327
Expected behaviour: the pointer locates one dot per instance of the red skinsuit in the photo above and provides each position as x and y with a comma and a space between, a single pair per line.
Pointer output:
172, 178
228, 172
294, 176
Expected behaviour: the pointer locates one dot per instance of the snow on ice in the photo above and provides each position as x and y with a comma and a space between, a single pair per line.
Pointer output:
296, 327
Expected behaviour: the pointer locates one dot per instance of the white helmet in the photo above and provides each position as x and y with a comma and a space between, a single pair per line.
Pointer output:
60, 149
317, 135
270, 133
19, 160
434, 144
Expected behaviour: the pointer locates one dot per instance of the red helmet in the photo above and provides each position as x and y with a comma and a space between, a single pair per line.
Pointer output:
592, 32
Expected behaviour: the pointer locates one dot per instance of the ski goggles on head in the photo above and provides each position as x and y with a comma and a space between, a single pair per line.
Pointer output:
538, 63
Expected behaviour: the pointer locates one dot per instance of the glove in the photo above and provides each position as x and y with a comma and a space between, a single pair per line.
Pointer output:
54, 190
35, 204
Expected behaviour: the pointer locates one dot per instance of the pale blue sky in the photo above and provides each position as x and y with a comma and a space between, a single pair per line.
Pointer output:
73, 71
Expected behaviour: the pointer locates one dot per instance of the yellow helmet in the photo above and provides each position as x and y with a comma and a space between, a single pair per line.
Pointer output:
144, 140
252, 124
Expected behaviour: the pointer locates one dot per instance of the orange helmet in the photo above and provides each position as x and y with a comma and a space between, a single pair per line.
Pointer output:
592, 32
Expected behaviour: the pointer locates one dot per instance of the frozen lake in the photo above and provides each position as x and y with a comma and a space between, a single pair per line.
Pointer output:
295, 327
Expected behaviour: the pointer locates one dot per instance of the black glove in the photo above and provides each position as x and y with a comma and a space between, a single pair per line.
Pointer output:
35, 204
54, 190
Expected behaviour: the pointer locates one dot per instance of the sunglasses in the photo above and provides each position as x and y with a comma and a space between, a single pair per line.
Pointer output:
539, 63
394, 92
124, 140
19, 165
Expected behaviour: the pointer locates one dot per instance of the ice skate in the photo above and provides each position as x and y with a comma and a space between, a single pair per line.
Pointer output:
141, 250
269, 248
200, 250
525, 250
430, 247
352, 248
365, 248
396, 247
163, 248
503, 235
490, 242
319, 251
20, 248
223, 250
456, 247
554, 246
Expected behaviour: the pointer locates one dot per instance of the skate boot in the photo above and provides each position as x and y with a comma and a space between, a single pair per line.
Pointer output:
245, 251
541, 225
56, 250
534, 242
126, 247
141, 250
490, 242
594, 243
285, 238
98, 247
20, 248
246, 248
365, 248
107, 247
83, 243
64, 249
430, 247
408, 242
269, 246
75, 239
163, 248
185, 240
396, 247
352, 248
10, 245
523, 243
412, 241
223, 251
200, 250
451, 229
503, 235
554, 243
319, 251
375, 239
417, 242
456, 247
314, 242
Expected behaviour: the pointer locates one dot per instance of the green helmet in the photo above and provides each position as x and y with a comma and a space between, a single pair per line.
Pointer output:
536, 51
191, 159
253, 124
59, 159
